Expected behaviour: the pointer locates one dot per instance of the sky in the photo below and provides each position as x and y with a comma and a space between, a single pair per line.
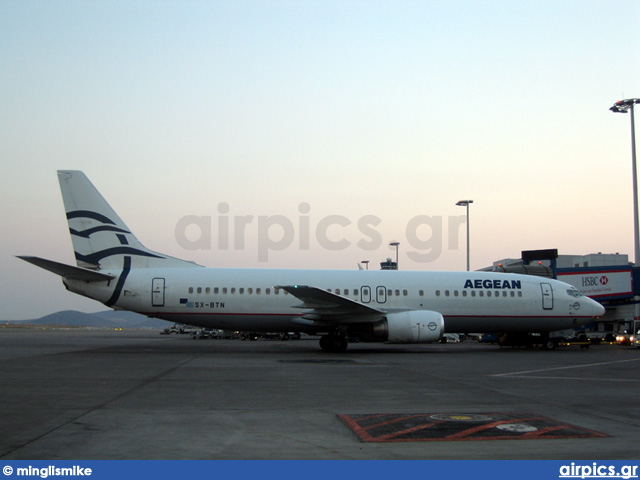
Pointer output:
311, 134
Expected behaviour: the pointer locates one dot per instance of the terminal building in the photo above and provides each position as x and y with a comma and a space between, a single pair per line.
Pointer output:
608, 278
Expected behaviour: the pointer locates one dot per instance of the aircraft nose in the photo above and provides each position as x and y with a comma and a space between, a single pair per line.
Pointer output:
597, 308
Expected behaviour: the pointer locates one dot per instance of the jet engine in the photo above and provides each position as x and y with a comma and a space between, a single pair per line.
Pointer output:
416, 326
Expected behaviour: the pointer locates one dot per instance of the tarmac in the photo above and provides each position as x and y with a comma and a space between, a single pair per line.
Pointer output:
105, 394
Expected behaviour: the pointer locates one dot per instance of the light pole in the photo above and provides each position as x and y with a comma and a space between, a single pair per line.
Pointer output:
625, 106
395, 244
465, 203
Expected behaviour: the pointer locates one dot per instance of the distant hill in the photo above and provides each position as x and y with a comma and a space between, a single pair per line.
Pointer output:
106, 319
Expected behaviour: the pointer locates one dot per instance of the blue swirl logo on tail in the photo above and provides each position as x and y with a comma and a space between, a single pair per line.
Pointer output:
108, 226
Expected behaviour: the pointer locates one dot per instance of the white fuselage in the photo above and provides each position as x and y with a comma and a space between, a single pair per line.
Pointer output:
245, 299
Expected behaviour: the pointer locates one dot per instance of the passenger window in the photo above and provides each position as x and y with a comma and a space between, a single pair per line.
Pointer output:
216, 290
190, 289
397, 293
405, 293
437, 293
421, 293
446, 293
241, 291
464, 293
489, 293
224, 290
207, 290
233, 290
199, 289
455, 293
258, 291
337, 291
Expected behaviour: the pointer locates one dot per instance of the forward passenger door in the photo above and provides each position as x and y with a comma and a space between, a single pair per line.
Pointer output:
547, 296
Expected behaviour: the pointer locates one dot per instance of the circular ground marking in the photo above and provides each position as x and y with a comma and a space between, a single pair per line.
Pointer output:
517, 427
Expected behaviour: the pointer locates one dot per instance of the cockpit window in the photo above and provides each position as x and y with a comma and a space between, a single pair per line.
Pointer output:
574, 293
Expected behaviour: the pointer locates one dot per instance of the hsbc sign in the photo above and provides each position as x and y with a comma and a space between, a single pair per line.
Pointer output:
605, 283
594, 281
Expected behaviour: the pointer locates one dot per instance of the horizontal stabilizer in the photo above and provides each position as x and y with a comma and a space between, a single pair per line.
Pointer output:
68, 271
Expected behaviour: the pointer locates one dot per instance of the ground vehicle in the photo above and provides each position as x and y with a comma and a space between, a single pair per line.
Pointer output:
489, 338
450, 338
624, 338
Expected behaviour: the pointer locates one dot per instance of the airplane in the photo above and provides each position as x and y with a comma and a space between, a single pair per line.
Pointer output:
390, 306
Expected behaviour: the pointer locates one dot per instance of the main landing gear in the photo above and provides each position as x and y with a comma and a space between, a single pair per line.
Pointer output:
334, 343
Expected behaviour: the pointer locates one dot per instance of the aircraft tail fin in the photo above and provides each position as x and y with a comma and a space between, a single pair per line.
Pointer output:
101, 240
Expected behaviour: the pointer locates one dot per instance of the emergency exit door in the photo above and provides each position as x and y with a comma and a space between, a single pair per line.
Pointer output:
365, 294
157, 292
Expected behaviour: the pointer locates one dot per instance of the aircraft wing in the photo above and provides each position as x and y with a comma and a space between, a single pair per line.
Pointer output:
68, 271
327, 307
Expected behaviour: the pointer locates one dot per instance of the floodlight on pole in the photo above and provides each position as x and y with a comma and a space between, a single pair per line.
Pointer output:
626, 106
395, 244
466, 203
